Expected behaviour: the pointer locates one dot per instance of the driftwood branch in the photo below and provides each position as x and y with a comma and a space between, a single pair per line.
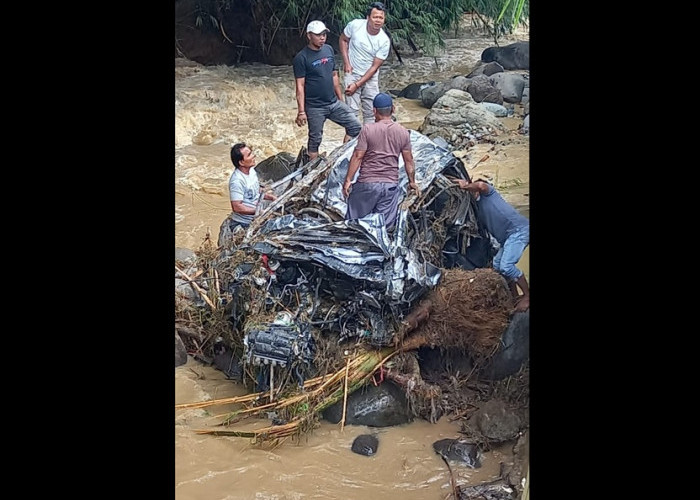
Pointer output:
196, 287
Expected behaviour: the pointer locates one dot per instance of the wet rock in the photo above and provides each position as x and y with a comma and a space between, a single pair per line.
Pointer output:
482, 89
495, 421
459, 451
375, 406
514, 349
511, 85
412, 91
180, 351
365, 444
513, 56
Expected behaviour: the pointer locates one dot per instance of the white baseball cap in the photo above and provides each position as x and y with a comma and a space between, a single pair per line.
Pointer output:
316, 27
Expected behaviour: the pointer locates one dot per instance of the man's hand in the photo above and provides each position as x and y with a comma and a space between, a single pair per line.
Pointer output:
523, 303
414, 186
348, 69
351, 88
301, 118
346, 188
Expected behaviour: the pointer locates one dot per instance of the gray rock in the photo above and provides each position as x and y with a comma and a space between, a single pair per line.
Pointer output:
365, 444
459, 451
514, 349
511, 86
487, 69
458, 82
180, 351
525, 127
482, 89
185, 257
496, 422
494, 108
454, 110
430, 95
525, 99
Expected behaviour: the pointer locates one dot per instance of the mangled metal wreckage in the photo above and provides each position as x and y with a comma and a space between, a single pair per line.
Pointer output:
312, 271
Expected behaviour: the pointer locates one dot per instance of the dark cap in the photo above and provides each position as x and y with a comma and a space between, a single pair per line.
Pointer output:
382, 100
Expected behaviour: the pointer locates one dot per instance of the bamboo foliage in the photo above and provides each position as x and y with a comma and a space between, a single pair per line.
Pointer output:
318, 394
420, 23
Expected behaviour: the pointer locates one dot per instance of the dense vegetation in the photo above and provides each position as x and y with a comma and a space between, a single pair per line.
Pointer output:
268, 30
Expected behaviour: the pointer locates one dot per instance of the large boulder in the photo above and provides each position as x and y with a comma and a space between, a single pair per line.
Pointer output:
511, 85
456, 111
514, 349
513, 56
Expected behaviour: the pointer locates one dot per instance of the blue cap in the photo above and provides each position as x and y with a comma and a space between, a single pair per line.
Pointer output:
382, 100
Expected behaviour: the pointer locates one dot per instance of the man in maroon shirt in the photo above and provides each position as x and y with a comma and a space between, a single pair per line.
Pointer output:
376, 156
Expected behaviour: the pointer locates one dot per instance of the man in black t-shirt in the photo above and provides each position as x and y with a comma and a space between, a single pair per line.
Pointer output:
318, 92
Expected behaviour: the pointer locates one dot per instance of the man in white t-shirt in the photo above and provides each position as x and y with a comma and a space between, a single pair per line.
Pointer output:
364, 46
244, 186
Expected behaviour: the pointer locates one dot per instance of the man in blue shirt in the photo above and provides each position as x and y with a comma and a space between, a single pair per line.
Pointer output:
510, 229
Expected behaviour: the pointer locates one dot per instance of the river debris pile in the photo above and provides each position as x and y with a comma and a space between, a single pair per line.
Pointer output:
311, 305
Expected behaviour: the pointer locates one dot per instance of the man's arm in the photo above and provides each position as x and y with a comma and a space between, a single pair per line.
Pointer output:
336, 86
352, 87
344, 45
371, 71
238, 207
355, 162
301, 97
474, 187
410, 166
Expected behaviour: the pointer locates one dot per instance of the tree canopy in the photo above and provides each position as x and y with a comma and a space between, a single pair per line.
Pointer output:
260, 26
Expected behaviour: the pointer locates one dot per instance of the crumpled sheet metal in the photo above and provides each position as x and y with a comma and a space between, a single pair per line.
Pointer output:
356, 248
359, 248
429, 159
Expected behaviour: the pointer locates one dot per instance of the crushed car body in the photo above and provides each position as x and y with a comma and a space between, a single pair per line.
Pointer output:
350, 278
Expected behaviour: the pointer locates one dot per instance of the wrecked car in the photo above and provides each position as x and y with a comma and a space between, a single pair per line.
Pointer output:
300, 267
